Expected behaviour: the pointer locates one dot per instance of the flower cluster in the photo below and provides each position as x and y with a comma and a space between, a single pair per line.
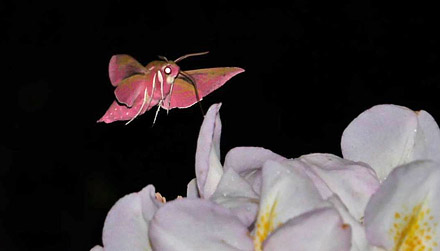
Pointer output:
384, 194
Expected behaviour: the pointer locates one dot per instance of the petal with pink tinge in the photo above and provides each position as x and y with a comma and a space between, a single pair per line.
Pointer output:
126, 224
404, 214
286, 193
197, 224
248, 161
235, 193
208, 167
386, 136
353, 182
321, 229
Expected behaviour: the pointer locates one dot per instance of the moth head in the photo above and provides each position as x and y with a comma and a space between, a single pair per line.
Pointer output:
170, 71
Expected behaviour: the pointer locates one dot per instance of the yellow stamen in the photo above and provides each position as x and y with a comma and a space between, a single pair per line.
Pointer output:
266, 223
415, 230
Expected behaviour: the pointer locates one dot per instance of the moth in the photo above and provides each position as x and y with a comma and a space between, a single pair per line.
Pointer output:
160, 83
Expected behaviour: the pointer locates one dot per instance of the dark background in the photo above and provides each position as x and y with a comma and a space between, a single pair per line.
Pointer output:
310, 69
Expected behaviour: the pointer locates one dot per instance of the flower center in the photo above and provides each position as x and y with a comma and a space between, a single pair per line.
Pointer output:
266, 224
414, 229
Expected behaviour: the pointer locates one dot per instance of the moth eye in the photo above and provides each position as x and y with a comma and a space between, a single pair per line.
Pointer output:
167, 70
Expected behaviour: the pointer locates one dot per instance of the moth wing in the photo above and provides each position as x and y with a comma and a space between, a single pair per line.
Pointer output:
123, 66
207, 80
118, 112
130, 88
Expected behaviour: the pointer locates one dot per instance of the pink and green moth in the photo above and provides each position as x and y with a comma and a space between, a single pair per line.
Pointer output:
161, 83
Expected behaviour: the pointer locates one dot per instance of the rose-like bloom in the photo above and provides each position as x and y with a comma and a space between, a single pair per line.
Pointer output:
257, 200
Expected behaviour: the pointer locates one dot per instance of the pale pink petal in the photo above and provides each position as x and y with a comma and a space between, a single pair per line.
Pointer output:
235, 193
208, 167
386, 136
290, 188
126, 225
286, 193
353, 182
97, 248
150, 202
191, 190
405, 212
358, 236
321, 229
197, 224
248, 161
427, 143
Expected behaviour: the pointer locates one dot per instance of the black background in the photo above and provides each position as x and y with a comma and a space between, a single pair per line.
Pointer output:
310, 69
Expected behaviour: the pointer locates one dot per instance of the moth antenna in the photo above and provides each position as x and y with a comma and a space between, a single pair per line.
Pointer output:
191, 55
163, 58
189, 79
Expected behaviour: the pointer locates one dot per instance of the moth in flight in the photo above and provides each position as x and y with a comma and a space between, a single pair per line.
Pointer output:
162, 83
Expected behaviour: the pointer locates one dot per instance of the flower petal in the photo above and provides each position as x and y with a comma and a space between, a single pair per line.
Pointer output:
286, 192
192, 190
386, 136
208, 167
427, 143
126, 225
150, 202
405, 212
97, 248
235, 193
353, 182
248, 161
320, 229
197, 224
358, 236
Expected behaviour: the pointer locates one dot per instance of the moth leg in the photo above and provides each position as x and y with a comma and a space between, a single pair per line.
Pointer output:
157, 111
169, 97
145, 100
152, 93
162, 97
